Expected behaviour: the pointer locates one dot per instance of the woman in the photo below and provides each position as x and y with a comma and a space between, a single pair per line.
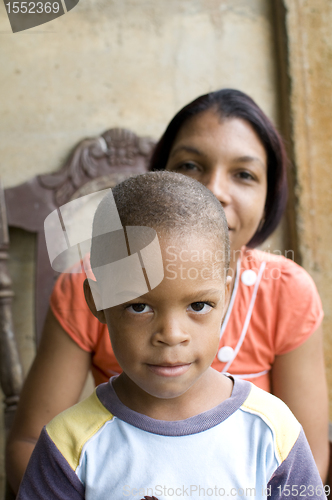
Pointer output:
271, 334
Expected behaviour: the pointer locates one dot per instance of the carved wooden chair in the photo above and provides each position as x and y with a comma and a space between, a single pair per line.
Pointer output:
94, 164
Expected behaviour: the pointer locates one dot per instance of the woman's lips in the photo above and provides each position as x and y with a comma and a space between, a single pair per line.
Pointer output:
169, 370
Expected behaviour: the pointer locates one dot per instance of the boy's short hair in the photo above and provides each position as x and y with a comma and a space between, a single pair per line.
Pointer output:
168, 202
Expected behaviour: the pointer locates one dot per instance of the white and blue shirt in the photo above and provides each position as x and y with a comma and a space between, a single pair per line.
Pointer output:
249, 446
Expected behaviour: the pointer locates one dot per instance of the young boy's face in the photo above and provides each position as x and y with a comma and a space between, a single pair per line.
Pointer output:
166, 340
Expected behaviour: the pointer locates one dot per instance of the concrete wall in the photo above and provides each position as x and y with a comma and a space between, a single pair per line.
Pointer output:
309, 38
130, 63
126, 63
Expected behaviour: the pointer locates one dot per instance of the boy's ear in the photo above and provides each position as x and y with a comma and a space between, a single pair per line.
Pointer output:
228, 285
91, 303
228, 290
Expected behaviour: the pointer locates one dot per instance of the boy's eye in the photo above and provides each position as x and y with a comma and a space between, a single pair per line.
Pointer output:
200, 307
139, 308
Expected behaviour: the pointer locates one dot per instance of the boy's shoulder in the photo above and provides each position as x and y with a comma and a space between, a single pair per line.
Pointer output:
284, 427
73, 428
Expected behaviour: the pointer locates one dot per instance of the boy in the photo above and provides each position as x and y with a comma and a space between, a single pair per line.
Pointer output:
169, 425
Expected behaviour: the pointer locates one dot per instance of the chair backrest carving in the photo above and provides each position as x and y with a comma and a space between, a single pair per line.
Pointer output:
117, 150
94, 164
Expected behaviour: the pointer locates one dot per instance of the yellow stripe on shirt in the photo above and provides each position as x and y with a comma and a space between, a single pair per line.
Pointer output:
74, 427
277, 416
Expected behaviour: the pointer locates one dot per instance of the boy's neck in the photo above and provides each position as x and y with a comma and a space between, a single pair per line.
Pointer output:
210, 390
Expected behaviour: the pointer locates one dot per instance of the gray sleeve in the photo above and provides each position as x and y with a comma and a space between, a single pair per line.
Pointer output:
297, 476
48, 475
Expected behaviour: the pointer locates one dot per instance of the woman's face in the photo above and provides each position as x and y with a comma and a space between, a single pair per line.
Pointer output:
228, 157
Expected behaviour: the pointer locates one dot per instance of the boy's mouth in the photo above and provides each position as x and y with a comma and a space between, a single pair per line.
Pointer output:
169, 370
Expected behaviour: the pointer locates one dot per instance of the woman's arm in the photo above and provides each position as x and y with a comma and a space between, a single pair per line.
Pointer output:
54, 383
298, 378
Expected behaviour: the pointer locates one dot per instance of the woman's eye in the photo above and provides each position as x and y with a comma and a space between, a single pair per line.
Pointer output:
200, 307
139, 308
246, 175
187, 166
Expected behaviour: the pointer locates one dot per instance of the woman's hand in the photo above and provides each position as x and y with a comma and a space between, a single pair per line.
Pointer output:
54, 383
298, 378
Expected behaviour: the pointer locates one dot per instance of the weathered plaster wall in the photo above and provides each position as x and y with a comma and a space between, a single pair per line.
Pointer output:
130, 63
310, 71
127, 63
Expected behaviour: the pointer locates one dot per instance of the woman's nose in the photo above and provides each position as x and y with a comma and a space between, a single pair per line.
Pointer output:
218, 183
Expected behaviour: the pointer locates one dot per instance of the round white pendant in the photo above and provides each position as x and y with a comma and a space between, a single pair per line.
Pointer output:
225, 354
248, 277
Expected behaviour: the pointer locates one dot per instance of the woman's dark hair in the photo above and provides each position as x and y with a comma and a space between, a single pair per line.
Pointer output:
230, 103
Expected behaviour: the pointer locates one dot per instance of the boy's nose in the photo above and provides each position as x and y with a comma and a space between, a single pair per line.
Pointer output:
171, 333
